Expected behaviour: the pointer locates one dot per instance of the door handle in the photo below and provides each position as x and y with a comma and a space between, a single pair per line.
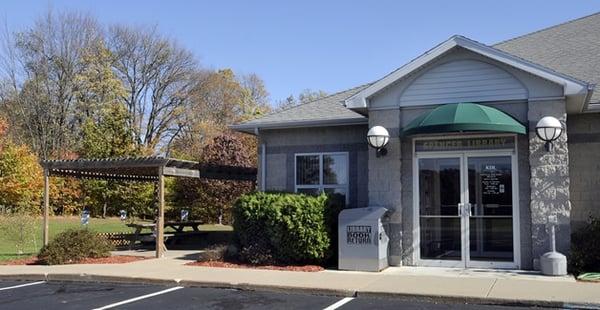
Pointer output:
464, 208
469, 209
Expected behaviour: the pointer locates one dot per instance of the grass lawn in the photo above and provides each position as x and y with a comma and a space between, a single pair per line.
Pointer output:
60, 224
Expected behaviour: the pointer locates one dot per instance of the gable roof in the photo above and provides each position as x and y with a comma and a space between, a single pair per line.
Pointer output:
571, 85
568, 53
571, 48
328, 110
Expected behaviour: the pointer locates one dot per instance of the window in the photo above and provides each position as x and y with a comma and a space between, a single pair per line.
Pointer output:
324, 172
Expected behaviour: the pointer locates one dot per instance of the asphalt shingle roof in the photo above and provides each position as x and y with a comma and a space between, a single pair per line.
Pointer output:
571, 48
329, 108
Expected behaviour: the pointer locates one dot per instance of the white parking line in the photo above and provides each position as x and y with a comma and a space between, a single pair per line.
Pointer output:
340, 303
139, 298
21, 285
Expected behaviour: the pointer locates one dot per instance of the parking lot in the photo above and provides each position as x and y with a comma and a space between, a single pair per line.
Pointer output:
70, 295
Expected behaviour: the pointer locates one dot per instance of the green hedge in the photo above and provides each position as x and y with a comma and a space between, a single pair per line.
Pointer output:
74, 245
585, 250
284, 228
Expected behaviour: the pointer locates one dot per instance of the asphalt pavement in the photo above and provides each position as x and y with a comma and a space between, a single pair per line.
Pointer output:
74, 295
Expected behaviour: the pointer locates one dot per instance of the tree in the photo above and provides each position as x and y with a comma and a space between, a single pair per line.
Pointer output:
98, 87
40, 66
3, 130
305, 96
257, 89
72, 88
106, 130
20, 176
106, 133
219, 98
66, 196
107, 137
21, 229
158, 76
211, 200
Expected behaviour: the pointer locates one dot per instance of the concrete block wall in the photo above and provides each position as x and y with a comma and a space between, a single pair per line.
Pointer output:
549, 181
524, 202
584, 167
408, 249
385, 184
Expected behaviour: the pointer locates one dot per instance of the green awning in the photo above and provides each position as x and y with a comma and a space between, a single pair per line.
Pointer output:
463, 117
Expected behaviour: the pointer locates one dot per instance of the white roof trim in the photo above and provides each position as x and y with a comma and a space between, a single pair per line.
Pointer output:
571, 86
251, 127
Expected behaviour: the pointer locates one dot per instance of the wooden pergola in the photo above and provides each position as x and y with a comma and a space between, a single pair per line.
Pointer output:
139, 169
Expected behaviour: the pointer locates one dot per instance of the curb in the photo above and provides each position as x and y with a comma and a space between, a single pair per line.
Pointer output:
25, 277
90, 278
83, 277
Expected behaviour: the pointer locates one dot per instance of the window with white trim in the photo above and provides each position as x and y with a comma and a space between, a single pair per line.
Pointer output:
322, 172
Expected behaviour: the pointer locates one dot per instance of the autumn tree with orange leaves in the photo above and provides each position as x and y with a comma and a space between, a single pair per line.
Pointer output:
21, 178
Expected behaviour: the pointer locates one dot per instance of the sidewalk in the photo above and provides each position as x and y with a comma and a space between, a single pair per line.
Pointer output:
474, 286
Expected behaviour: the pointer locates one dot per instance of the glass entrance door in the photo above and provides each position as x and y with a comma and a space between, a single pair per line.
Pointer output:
440, 196
465, 210
490, 210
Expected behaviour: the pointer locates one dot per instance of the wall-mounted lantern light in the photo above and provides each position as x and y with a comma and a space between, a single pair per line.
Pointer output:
378, 137
549, 129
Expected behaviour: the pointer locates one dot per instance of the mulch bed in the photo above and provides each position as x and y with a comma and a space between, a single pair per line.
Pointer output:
117, 259
221, 264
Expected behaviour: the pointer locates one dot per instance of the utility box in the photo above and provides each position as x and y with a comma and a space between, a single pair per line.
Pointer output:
362, 241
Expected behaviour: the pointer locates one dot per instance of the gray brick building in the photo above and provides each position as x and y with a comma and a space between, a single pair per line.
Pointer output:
466, 179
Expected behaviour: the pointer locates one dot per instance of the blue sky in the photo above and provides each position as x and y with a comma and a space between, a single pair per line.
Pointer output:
328, 45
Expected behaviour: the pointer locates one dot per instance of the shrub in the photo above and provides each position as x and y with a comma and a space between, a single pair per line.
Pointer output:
257, 253
74, 245
585, 252
214, 253
284, 228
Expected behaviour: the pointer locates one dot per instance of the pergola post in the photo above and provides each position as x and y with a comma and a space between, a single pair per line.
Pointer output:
46, 204
160, 221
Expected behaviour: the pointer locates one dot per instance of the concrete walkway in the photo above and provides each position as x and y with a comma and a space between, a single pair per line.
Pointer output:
475, 286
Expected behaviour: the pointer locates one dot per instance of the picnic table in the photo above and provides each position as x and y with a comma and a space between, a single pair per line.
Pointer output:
138, 230
178, 226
